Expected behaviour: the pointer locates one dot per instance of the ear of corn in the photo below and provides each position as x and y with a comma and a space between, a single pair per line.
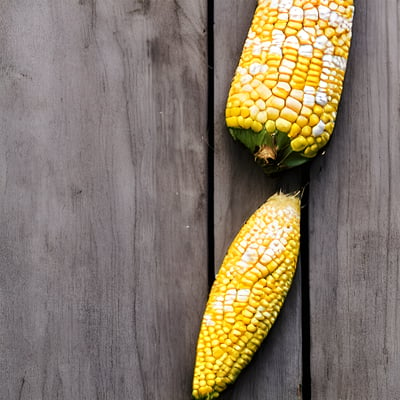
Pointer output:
247, 294
285, 94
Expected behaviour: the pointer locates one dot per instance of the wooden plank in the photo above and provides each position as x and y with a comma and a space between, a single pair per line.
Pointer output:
355, 224
239, 188
103, 261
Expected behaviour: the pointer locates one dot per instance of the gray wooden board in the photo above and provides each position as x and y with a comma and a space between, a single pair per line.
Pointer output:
103, 212
240, 187
355, 223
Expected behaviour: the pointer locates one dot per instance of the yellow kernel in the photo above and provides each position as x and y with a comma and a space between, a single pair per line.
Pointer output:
235, 111
314, 119
285, 78
244, 112
270, 126
302, 121
310, 140
283, 125
293, 104
232, 122
274, 62
288, 114
329, 108
251, 328
247, 123
318, 109
235, 103
290, 31
306, 111
270, 83
297, 85
241, 97
263, 91
282, 89
329, 127
248, 103
306, 130
254, 95
325, 118
299, 143
272, 113
309, 152
255, 83
256, 126
294, 130
275, 102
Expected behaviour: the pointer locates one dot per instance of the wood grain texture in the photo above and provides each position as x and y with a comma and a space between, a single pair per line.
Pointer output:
103, 214
240, 187
355, 224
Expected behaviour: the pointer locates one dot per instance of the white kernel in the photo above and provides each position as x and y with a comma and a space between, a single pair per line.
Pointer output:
243, 295
274, 4
246, 79
275, 50
309, 90
324, 12
309, 100
318, 129
321, 98
277, 246
208, 320
321, 42
303, 35
283, 15
229, 299
311, 14
250, 256
255, 68
296, 14
306, 50
285, 4
270, 252
292, 42
334, 19
261, 250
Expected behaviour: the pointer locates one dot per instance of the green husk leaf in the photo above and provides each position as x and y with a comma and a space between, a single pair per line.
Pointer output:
272, 151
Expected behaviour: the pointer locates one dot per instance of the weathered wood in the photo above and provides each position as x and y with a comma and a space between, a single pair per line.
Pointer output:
103, 261
240, 187
355, 224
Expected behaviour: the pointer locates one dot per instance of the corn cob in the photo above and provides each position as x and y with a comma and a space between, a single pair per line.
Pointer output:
284, 96
247, 294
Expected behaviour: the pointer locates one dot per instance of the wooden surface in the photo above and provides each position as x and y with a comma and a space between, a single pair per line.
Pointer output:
103, 198
108, 196
355, 224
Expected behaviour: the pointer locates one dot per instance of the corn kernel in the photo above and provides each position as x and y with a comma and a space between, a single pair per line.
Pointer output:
270, 126
272, 113
283, 125
288, 114
299, 143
